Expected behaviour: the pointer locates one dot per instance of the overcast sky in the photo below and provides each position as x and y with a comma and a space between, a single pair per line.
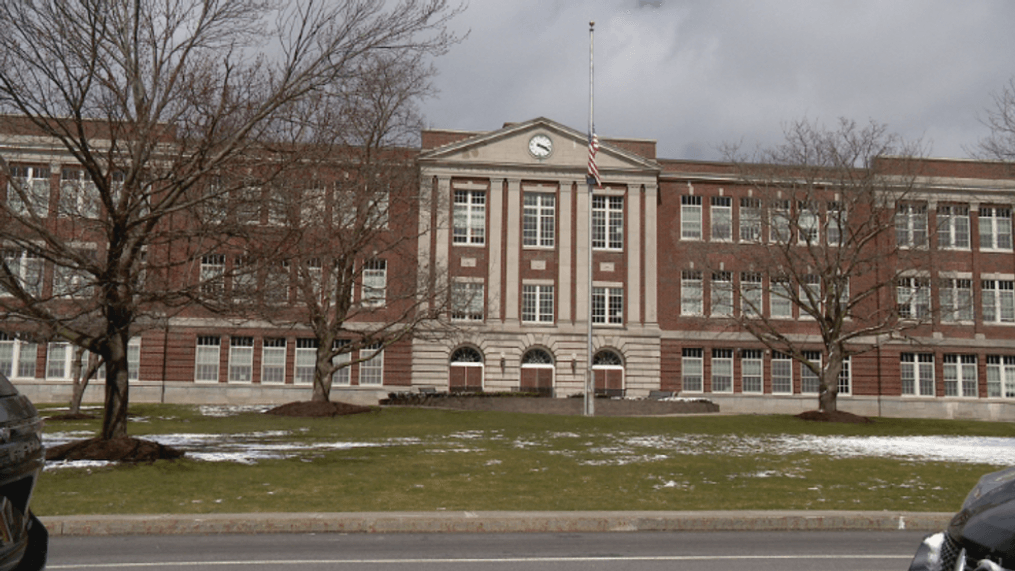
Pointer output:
694, 74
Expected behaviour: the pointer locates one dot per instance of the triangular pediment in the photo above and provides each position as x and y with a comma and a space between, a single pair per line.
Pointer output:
513, 145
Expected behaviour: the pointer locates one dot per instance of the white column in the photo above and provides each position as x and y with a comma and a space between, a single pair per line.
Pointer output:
512, 255
582, 296
495, 263
566, 218
651, 256
633, 250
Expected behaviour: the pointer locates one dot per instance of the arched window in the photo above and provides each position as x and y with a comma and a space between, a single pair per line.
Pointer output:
537, 357
466, 355
607, 358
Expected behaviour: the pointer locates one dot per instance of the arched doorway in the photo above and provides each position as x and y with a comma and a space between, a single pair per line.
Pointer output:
537, 371
608, 371
466, 371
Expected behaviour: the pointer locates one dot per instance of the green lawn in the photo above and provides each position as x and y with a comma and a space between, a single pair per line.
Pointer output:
419, 459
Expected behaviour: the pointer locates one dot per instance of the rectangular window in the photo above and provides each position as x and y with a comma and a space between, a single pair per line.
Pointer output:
809, 223
248, 204
28, 191
375, 282
809, 381
959, 373
213, 269
693, 370
995, 228
341, 375
608, 305
691, 293
846, 376
206, 362
71, 277
781, 298
79, 197
998, 297
780, 222
690, 217
912, 297
1001, 376
911, 225
371, 371
241, 359
836, 224
537, 303
608, 222
810, 296
273, 361
7, 348
750, 220
917, 373
306, 361
470, 217
956, 299
244, 279
751, 370
467, 301
750, 294
722, 370
782, 373
27, 267
722, 218
28, 354
722, 294
539, 219
276, 283
953, 227
58, 355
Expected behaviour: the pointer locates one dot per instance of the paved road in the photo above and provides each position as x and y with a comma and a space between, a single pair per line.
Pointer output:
645, 551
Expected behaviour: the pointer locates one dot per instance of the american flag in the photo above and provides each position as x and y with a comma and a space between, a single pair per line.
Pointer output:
593, 169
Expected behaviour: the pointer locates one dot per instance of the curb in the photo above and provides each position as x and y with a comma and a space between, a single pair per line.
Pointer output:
494, 522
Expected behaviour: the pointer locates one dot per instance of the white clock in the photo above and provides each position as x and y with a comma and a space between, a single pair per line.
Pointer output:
540, 146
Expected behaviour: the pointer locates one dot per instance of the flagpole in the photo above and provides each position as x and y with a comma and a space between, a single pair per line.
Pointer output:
590, 382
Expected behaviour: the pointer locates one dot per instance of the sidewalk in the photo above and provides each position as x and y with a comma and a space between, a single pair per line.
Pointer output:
494, 522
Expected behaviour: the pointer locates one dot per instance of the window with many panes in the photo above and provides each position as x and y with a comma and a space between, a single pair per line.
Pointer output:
273, 361
722, 370
721, 294
998, 301
959, 372
537, 303
721, 218
241, 359
912, 297
750, 294
27, 267
371, 371
846, 376
244, 279
608, 222
375, 282
213, 269
691, 293
911, 225
809, 222
17, 357
71, 277
690, 217
341, 375
956, 299
995, 228
1001, 376
467, 301
781, 298
917, 373
692, 370
206, 361
608, 305
8, 346
782, 373
810, 295
79, 197
469, 217
750, 219
538, 219
28, 191
752, 366
810, 382
780, 222
306, 361
58, 356
953, 227
837, 223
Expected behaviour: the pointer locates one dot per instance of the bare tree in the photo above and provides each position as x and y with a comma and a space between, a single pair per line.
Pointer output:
846, 250
150, 99
1000, 144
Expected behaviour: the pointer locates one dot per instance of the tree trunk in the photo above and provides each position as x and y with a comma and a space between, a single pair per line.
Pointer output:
114, 421
322, 373
81, 380
829, 391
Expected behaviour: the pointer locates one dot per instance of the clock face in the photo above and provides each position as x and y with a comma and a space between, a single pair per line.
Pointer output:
540, 146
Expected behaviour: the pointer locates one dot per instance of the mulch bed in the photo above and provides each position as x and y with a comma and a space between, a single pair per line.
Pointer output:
126, 449
836, 416
317, 409
69, 416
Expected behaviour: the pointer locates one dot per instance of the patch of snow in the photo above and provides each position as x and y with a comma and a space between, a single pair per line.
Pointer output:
219, 411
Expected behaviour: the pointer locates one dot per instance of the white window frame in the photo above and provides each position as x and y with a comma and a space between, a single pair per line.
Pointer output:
779, 301
998, 300
273, 360
808, 223
375, 282
752, 371
692, 370
846, 376
721, 294
721, 218
809, 382
539, 217
690, 217
29, 268
21, 360
722, 370
751, 294
995, 228
469, 217
241, 359
371, 368
953, 227
912, 297
956, 297
959, 378
213, 269
79, 196
1001, 376
341, 376
207, 359
607, 222
911, 225
691, 293
608, 305
538, 303
58, 359
750, 219
35, 182
837, 225
780, 226
305, 362
917, 374
782, 373
467, 300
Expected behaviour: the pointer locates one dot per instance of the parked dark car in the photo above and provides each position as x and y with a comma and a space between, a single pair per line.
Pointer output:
981, 536
24, 540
